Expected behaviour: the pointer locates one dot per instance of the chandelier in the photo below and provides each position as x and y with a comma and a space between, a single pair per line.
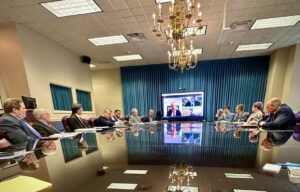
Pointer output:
183, 25
178, 176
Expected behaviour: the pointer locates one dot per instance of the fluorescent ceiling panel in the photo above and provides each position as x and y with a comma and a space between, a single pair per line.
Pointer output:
195, 51
163, 1
127, 57
108, 40
92, 66
253, 47
65, 8
189, 31
276, 22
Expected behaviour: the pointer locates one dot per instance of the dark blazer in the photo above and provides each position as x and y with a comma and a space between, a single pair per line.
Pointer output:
178, 113
240, 117
102, 121
283, 119
75, 122
16, 133
44, 129
147, 119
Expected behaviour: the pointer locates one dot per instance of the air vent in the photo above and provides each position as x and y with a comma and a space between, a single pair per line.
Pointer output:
136, 37
240, 25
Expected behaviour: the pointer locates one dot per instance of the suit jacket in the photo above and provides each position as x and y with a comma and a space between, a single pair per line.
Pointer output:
16, 133
283, 119
240, 117
178, 113
76, 123
147, 119
102, 121
44, 129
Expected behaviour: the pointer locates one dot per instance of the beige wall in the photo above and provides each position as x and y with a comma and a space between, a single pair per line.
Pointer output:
107, 88
45, 62
283, 82
13, 78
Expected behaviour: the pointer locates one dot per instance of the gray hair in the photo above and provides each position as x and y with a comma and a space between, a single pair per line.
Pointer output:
38, 113
134, 110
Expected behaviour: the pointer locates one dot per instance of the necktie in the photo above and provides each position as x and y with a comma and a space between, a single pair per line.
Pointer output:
31, 129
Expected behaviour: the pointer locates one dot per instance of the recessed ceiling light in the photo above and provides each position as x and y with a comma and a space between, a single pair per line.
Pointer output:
127, 57
163, 1
191, 30
195, 51
65, 8
108, 40
92, 66
276, 22
253, 47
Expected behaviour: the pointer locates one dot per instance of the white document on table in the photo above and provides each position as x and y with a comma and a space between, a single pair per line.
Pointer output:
124, 186
238, 176
137, 172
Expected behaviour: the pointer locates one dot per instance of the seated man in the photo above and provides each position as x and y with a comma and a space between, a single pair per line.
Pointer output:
17, 131
117, 115
42, 124
105, 119
150, 116
282, 118
257, 114
134, 118
75, 120
226, 115
240, 115
173, 112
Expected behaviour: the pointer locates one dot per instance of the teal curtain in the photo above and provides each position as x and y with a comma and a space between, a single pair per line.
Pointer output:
216, 149
225, 82
84, 98
91, 141
70, 149
61, 97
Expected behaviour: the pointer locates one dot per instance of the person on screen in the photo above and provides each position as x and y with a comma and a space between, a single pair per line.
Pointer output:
192, 113
174, 112
186, 102
198, 101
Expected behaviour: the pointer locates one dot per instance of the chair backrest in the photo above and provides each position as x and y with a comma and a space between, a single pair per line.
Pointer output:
296, 134
92, 122
246, 115
66, 124
4, 143
143, 119
126, 118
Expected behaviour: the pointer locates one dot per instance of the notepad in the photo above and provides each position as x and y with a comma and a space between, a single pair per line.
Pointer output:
238, 176
183, 188
242, 190
24, 184
138, 172
272, 168
123, 186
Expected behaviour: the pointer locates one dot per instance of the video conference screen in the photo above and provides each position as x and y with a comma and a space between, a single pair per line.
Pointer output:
188, 104
182, 133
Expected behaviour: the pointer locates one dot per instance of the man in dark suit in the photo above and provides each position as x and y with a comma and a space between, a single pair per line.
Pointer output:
42, 124
240, 115
75, 120
105, 119
150, 116
173, 112
282, 118
17, 131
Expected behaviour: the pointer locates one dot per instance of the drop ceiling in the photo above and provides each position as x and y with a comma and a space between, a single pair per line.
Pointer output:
121, 17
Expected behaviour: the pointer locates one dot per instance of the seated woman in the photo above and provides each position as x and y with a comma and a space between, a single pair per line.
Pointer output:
257, 114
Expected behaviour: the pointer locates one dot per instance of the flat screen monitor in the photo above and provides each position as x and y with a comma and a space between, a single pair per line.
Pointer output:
183, 105
29, 102
182, 133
